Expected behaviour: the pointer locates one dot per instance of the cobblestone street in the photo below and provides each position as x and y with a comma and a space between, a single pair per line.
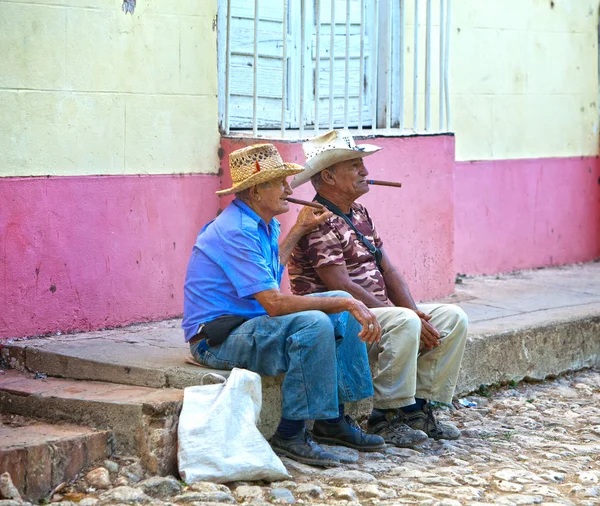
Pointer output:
532, 444
528, 444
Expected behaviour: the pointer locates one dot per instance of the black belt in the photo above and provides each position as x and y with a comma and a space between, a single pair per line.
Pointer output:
196, 338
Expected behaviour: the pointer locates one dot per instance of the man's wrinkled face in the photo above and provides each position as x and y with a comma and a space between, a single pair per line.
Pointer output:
273, 195
351, 177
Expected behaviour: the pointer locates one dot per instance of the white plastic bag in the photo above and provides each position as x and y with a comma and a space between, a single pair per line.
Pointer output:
217, 436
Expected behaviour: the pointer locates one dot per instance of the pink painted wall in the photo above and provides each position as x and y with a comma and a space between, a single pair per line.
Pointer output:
517, 214
81, 253
416, 222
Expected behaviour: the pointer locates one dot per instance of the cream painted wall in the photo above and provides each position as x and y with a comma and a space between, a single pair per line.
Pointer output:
524, 78
86, 89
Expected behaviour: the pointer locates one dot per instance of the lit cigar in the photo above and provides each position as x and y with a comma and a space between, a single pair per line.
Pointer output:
306, 203
383, 183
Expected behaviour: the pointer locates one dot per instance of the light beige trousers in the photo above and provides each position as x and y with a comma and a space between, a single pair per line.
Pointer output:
399, 373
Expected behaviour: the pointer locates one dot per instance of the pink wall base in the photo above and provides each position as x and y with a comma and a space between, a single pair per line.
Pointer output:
82, 253
519, 214
416, 221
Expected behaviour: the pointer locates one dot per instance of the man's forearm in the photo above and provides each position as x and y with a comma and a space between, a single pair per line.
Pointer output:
397, 289
358, 292
281, 304
286, 246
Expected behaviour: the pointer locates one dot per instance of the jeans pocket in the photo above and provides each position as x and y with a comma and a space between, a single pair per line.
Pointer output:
197, 353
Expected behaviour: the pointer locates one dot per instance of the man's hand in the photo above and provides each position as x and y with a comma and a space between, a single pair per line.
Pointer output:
310, 218
371, 330
430, 337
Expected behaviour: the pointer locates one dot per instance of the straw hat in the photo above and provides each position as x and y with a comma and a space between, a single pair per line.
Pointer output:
328, 149
257, 164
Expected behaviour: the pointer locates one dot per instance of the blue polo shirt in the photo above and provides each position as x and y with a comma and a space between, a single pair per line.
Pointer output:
235, 256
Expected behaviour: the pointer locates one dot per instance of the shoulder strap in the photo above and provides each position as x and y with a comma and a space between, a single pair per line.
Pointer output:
376, 252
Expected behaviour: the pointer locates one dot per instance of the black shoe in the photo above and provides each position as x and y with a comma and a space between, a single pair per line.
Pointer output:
425, 420
346, 433
394, 431
302, 448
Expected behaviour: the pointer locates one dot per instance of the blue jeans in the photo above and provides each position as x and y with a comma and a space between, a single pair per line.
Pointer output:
321, 356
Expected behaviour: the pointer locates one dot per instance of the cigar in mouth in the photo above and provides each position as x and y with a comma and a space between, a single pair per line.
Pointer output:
384, 183
305, 203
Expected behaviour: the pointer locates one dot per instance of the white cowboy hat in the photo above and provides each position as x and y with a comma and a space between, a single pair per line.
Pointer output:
328, 149
257, 164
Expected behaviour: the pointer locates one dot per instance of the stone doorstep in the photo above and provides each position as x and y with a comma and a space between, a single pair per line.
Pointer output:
40, 456
81, 356
495, 356
22, 356
499, 357
143, 420
56, 358
533, 353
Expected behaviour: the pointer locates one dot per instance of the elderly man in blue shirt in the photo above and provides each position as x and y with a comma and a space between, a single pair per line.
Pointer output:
236, 316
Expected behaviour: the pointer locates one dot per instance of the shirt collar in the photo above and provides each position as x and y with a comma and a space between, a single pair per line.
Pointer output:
248, 211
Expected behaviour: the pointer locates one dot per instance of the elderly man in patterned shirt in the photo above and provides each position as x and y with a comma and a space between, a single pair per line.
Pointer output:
419, 355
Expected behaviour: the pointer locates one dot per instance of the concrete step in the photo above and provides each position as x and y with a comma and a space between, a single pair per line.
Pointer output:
531, 352
527, 324
151, 355
40, 456
143, 420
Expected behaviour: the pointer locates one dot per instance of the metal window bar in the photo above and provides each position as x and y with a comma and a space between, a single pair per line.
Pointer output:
442, 66
255, 70
446, 67
428, 68
388, 74
375, 60
347, 66
317, 62
362, 64
227, 69
395, 13
302, 63
283, 68
331, 58
416, 69
401, 53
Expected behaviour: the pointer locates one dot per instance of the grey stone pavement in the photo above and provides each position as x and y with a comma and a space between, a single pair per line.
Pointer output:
534, 443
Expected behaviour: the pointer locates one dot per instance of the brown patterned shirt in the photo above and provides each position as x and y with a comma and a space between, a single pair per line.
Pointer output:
335, 243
